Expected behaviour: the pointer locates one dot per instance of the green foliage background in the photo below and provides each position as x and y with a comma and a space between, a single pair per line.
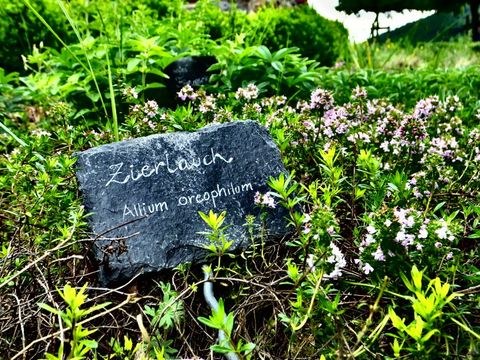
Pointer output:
375, 136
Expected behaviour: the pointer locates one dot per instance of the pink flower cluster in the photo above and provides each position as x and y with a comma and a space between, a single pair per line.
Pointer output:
265, 199
187, 92
248, 93
130, 92
338, 260
146, 112
321, 99
208, 104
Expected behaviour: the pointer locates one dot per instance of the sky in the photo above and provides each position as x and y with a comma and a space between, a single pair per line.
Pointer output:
359, 25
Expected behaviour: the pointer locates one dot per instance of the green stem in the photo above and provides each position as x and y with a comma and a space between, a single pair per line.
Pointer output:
428, 205
90, 69
368, 322
110, 84
47, 25
15, 137
112, 99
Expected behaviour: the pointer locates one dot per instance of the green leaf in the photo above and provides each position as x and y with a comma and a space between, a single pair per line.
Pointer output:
52, 357
396, 347
95, 308
396, 321
229, 324
220, 349
154, 85
475, 235
132, 65
263, 52
439, 206
277, 65
281, 53
209, 322
90, 344
428, 335
247, 348
49, 308
128, 343
157, 72
417, 277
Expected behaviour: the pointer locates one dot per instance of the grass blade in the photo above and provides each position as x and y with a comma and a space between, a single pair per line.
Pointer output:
112, 99
9, 132
47, 25
77, 34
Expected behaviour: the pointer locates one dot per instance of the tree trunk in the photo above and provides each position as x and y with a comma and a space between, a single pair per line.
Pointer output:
475, 19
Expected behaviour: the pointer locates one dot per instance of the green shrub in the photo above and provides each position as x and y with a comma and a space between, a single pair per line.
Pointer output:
381, 200
302, 27
20, 30
408, 86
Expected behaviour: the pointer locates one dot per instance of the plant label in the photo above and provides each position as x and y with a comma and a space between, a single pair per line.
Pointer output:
144, 194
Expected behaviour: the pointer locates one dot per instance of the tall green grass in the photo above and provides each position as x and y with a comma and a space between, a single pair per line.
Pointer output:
457, 53
88, 66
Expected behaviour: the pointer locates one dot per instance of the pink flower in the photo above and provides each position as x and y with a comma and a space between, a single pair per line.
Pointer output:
368, 240
321, 99
367, 268
409, 222
257, 198
378, 254
130, 91
400, 236
151, 108
331, 230
442, 232
268, 200
371, 229
359, 92
422, 233
307, 228
248, 93
187, 92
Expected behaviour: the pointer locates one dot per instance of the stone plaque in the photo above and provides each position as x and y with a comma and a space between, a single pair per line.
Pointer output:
145, 194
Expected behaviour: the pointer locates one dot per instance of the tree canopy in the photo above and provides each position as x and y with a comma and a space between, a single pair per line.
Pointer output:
379, 6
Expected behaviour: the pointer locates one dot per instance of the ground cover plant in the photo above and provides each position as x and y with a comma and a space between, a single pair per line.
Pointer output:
382, 199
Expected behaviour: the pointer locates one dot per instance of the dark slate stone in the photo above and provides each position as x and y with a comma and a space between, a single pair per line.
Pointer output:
190, 70
144, 194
